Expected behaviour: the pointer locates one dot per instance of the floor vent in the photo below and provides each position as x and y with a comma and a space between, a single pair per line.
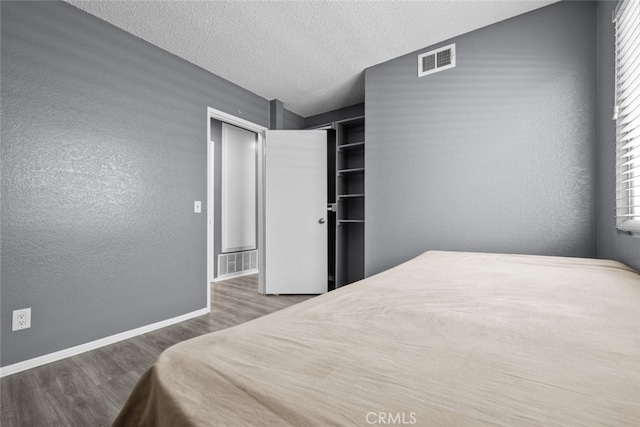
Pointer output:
437, 60
237, 264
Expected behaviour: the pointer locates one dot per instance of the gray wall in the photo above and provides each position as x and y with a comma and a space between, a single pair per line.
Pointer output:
495, 155
281, 118
103, 154
292, 120
611, 243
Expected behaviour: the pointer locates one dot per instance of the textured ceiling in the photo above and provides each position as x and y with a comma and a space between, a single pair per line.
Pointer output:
308, 54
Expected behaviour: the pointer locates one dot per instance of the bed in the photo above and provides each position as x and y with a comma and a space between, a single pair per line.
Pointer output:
446, 339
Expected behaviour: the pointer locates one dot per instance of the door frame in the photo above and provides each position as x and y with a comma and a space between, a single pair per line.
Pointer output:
213, 113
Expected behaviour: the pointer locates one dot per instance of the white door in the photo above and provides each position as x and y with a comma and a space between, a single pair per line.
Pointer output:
295, 212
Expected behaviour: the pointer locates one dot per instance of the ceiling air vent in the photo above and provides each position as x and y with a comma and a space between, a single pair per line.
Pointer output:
437, 60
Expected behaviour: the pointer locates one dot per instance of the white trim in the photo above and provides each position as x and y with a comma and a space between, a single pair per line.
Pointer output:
630, 226
233, 120
627, 126
232, 275
210, 212
82, 348
262, 266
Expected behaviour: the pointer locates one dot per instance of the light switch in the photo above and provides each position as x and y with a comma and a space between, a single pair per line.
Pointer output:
197, 206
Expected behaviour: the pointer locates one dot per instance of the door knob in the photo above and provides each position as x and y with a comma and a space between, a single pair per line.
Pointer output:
321, 221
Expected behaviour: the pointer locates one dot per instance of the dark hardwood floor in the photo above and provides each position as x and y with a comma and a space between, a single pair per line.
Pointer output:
89, 389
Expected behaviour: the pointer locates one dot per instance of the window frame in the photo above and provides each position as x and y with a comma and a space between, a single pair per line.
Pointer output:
626, 115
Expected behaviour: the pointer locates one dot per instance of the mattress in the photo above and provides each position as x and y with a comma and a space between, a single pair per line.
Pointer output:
446, 339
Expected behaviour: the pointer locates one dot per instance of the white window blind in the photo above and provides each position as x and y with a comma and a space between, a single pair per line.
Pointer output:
627, 115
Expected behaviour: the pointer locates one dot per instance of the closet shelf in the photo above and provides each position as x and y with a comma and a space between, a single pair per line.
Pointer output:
351, 146
350, 171
348, 174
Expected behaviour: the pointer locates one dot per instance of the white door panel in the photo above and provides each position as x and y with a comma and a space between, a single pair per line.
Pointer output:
295, 212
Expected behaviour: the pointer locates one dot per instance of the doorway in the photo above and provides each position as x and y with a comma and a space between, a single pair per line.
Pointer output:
300, 234
235, 248
234, 241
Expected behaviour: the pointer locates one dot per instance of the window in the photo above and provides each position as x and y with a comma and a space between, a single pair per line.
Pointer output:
627, 115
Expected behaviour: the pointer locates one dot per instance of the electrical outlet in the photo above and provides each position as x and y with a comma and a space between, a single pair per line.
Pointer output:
21, 319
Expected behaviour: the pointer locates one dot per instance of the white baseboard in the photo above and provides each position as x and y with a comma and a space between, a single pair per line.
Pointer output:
68, 352
232, 275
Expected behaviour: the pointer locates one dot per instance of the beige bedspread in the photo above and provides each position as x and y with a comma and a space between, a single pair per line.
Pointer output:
446, 339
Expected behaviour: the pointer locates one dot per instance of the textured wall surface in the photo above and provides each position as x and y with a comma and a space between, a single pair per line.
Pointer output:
497, 154
612, 244
103, 154
295, 50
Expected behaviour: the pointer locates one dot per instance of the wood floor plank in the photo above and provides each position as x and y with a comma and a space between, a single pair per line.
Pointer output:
158, 340
99, 365
181, 332
77, 400
204, 324
119, 389
24, 403
90, 388
164, 338
134, 355
116, 360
